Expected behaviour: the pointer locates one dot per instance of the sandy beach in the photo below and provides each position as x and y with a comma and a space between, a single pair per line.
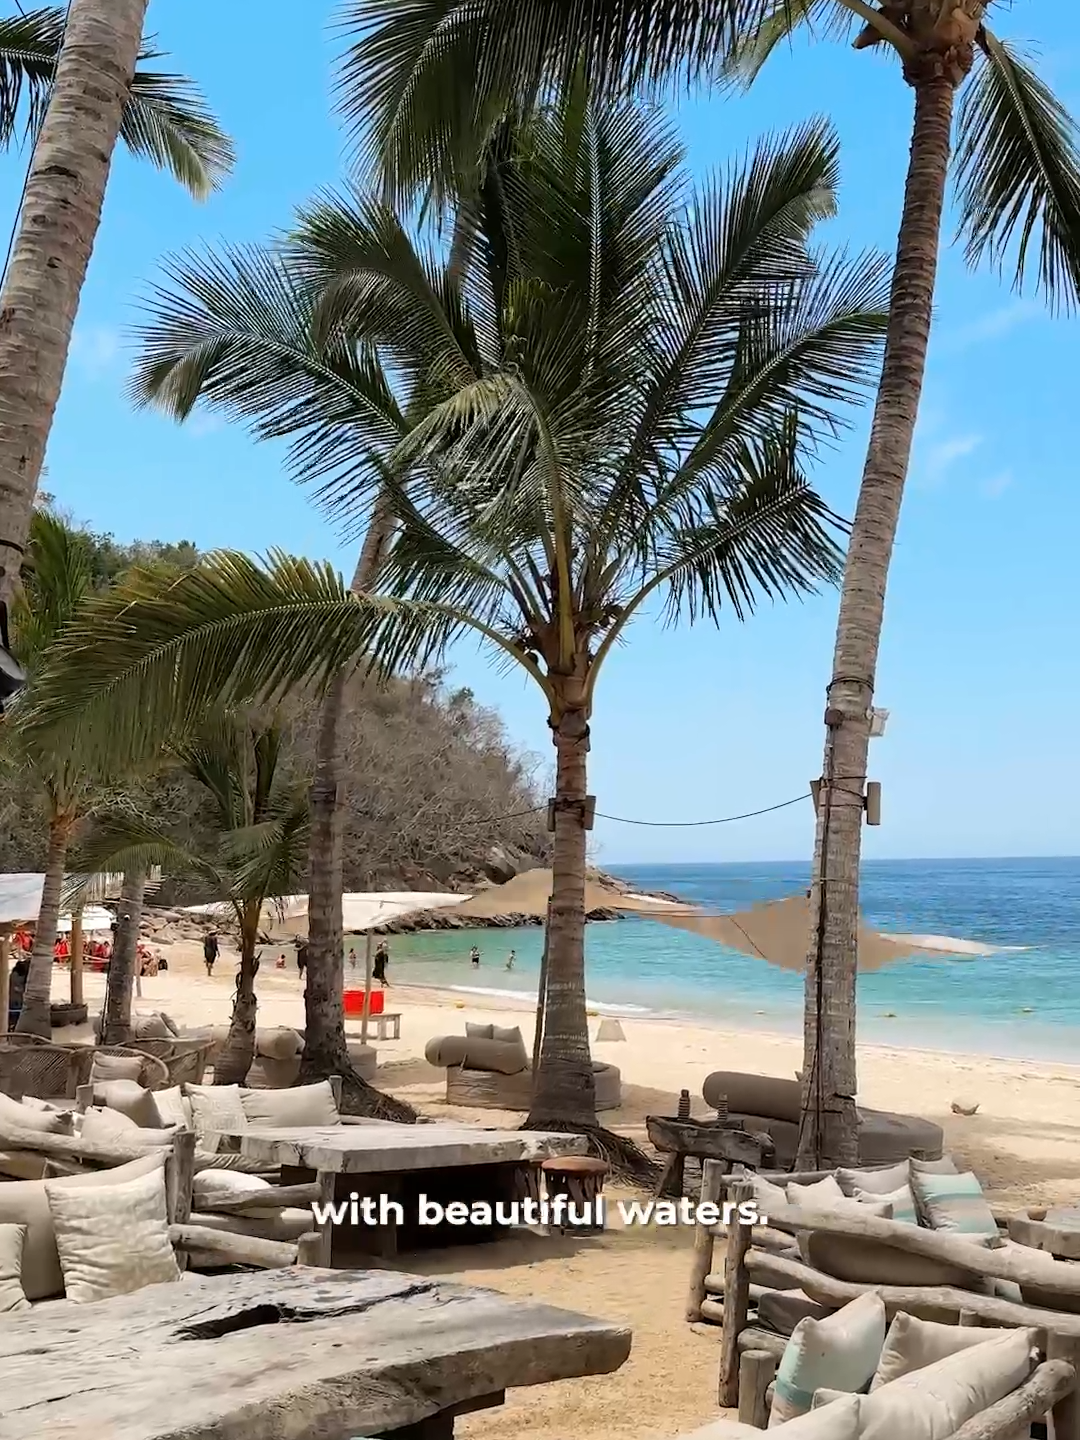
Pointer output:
1024, 1143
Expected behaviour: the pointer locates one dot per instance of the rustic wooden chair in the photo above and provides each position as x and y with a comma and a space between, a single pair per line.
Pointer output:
185, 1060
48, 1072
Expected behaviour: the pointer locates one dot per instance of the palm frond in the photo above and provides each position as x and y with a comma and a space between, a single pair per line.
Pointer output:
1018, 175
166, 119
57, 576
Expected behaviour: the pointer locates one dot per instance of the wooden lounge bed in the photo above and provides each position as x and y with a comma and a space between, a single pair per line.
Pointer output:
445, 1162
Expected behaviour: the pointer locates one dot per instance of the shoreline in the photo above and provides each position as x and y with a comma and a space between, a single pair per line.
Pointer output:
508, 1001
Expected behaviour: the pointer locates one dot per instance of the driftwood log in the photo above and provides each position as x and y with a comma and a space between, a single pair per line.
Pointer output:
104, 1154
304, 1194
757, 1370
712, 1188
292, 1354
928, 1302
230, 1248
1013, 1415
736, 1300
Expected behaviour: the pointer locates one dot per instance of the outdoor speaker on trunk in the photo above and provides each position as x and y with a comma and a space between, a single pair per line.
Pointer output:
12, 675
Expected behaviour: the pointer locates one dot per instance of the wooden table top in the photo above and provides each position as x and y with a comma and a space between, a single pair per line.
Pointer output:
292, 1353
381, 1149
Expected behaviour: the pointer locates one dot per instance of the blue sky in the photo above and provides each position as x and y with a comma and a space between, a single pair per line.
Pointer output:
978, 663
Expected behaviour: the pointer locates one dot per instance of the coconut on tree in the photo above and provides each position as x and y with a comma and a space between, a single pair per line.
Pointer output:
603, 402
1011, 149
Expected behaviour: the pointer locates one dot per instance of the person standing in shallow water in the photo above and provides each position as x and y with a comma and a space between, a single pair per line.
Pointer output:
510, 959
382, 959
474, 957
210, 950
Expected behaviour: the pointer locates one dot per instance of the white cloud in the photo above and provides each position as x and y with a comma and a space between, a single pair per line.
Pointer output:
997, 484
994, 325
938, 459
95, 349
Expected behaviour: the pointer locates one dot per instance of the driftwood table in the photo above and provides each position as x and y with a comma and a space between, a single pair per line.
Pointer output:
397, 1167
285, 1355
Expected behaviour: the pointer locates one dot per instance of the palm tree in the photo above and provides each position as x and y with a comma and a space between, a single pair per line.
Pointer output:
1017, 171
257, 818
57, 578
116, 1014
612, 383
89, 104
165, 118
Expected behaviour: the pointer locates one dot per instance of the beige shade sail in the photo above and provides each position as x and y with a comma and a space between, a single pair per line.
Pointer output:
779, 931
529, 893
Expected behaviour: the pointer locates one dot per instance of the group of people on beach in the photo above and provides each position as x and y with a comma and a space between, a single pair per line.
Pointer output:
474, 958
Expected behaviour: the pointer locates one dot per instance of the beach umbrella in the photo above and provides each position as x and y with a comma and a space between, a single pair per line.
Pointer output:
778, 931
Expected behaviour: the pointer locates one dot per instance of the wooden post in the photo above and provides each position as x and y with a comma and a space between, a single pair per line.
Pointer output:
757, 1370
5, 957
541, 997
1066, 1413
327, 1189
736, 1295
367, 988
712, 1188
77, 955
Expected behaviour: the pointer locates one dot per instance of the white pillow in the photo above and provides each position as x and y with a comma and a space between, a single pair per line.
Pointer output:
901, 1201
877, 1182
912, 1344
837, 1421
954, 1203
113, 1239
819, 1196
767, 1196
210, 1187
173, 1107
298, 1105
933, 1403
27, 1117
102, 1124
115, 1067
215, 1108
12, 1297
838, 1353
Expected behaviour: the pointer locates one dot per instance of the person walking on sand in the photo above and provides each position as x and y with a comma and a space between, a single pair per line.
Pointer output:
210, 950
510, 959
301, 957
474, 956
352, 959
382, 959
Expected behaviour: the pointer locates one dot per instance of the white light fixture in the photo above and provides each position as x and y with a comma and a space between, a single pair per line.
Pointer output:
878, 720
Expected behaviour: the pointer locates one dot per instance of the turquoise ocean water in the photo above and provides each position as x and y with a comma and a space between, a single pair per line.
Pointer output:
1022, 1001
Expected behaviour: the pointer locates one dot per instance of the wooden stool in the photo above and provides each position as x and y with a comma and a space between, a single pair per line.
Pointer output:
581, 1179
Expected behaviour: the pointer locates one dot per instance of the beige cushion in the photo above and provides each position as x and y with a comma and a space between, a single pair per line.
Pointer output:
500, 1057
210, 1187
509, 1035
220, 1160
900, 1201
24, 1202
953, 1203
303, 1105
819, 1195
479, 1032
944, 1166
115, 1067
215, 1108
150, 1027
130, 1099
50, 1106
22, 1165
840, 1352
169, 1023
934, 1402
766, 1095
767, 1196
103, 1124
29, 1117
113, 1239
12, 1238
781, 1310
173, 1107
912, 1344
877, 1182
278, 1044
839, 1421
874, 1262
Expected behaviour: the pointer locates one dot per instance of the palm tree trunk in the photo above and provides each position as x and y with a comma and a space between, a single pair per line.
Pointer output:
325, 1049
61, 213
829, 1129
116, 1020
37, 997
564, 1087
238, 1052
